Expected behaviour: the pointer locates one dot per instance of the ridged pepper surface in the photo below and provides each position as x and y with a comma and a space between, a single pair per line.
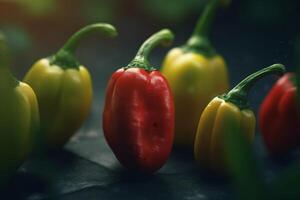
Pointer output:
138, 117
224, 113
19, 118
64, 89
279, 116
196, 74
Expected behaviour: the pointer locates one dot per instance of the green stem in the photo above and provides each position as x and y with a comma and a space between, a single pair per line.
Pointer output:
72, 43
239, 94
163, 37
65, 56
199, 40
205, 21
5, 73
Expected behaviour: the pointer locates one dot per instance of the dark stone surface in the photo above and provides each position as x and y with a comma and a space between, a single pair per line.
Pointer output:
87, 169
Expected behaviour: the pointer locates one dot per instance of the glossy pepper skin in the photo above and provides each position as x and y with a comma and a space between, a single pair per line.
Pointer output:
64, 89
224, 113
138, 117
279, 116
196, 74
19, 118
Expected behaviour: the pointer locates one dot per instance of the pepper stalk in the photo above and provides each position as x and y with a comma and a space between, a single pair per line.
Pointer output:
163, 37
65, 56
199, 40
238, 95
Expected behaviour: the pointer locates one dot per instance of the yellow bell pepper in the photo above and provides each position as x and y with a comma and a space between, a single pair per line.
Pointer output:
196, 73
19, 118
64, 89
224, 113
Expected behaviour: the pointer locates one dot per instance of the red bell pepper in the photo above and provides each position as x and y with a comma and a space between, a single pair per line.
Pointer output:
138, 117
279, 117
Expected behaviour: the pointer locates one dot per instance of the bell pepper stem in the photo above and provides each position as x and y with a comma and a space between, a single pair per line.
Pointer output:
204, 23
163, 37
72, 43
65, 56
199, 40
238, 95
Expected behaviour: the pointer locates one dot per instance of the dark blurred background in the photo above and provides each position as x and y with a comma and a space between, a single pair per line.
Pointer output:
249, 34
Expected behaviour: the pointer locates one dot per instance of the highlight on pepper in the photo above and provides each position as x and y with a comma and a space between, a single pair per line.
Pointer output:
279, 117
196, 73
138, 116
64, 89
19, 118
230, 110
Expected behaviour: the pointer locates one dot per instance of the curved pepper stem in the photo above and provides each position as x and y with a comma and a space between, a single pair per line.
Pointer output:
65, 56
204, 23
72, 43
5, 74
199, 40
238, 95
163, 37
